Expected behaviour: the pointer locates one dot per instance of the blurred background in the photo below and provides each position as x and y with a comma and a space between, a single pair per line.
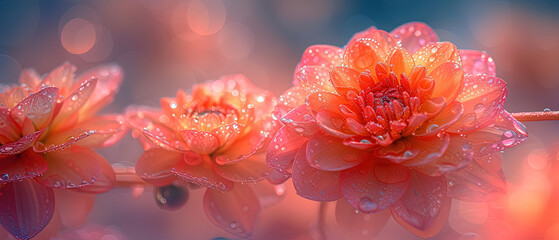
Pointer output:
168, 44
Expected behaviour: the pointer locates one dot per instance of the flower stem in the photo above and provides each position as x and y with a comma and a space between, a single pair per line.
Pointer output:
321, 224
126, 177
536, 116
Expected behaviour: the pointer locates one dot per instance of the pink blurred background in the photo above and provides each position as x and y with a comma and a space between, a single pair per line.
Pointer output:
165, 45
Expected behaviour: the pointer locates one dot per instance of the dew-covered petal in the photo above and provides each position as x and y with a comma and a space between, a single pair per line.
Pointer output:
154, 166
30, 78
323, 101
277, 177
476, 62
357, 225
474, 183
9, 130
202, 174
20, 145
38, 107
108, 78
73, 206
27, 208
364, 53
153, 125
330, 154
435, 54
300, 120
390, 173
200, 141
365, 193
314, 79
449, 81
345, 79
422, 150
248, 170
401, 62
424, 208
334, 124
443, 120
96, 132
72, 103
236, 211
483, 98
283, 148
21, 166
458, 154
321, 55
75, 167
290, 99
312, 183
505, 133
414, 35
61, 77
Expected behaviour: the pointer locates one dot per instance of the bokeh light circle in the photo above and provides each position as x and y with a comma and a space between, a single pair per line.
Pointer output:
9, 69
236, 41
78, 36
206, 17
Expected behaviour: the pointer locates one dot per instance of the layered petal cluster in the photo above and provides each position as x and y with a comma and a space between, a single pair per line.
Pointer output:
48, 126
215, 137
395, 121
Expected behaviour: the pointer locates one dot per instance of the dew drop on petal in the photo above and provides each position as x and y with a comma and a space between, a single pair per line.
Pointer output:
508, 138
171, 197
367, 205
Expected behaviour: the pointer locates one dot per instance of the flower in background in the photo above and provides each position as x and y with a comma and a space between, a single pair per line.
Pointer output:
395, 121
215, 137
48, 126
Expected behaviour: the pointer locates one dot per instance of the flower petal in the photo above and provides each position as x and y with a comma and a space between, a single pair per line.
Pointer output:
108, 81
448, 116
61, 77
21, 166
152, 124
321, 55
30, 78
367, 33
154, 166
449, 81
334, 124
283, 148
20, 145
290, 99
312, 183
476, 62
9, 130
202, 174
505, 133
27, 208
66, 117
345, 79
435, 54
458, 154
37, 106
75, 167
315, 79
248, 170
365, 193
401, 62
74, 207
414, 35
200, 141
483, 98
422, 150
353, 224
474, 183
364, 53
300, 120
96, 132
236, 211
390, 173
268, 194
330, 154
423, 209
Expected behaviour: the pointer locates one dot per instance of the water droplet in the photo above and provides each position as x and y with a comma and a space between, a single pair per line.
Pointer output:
5, 177
479, 108
367, 205
508, 138
547, 110
432, 128
171, 197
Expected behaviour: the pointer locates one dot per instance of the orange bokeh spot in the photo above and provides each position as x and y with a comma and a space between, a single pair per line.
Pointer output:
206, 17
78, 36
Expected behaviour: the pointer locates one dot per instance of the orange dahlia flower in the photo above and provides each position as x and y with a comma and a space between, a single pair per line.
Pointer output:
47, 127
395, 121
215, 137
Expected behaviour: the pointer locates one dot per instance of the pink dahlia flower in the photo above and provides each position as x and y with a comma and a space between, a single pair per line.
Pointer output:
215, 137
395, 121
48, 126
